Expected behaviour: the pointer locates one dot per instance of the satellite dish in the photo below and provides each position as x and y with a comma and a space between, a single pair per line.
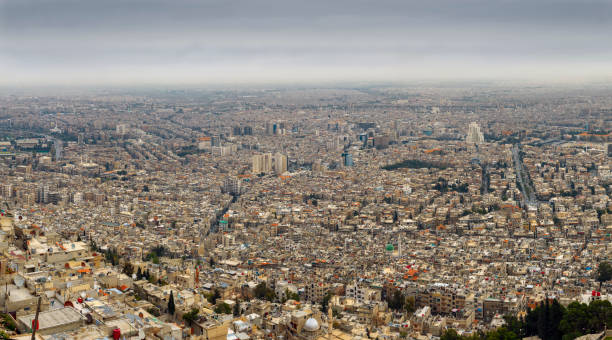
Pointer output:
19, 281
83, 294
134, 276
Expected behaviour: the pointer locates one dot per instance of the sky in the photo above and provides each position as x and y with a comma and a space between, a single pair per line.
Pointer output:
72, 42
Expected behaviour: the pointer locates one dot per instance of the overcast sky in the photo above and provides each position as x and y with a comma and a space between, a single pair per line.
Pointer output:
236, 41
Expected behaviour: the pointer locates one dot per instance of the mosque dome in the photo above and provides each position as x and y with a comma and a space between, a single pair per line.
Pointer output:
389, 247
311, 325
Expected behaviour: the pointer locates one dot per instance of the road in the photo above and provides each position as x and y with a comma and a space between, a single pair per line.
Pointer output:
528, 192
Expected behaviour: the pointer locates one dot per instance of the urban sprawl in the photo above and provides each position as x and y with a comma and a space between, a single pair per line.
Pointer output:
429, 212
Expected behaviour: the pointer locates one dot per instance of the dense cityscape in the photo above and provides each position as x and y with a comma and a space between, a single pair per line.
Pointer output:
469, 210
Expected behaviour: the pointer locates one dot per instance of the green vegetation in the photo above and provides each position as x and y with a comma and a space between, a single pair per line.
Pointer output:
213, 297
236, 311
154, 311
550, 321
8, 322
156, 253
414, 164
291, 295
171, 306
604, 272
442, 186
325, 302
263, 292
400, 302
189, 150
223, 308
191, 316
111, 256
128, 269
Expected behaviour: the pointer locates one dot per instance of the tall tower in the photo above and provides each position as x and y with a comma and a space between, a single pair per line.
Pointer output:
399, 247
474, 134
330, 321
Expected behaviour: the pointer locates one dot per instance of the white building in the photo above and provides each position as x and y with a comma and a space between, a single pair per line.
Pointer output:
474, 134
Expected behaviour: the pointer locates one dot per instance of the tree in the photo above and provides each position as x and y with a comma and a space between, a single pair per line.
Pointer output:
223, 308
325, 302
214, 296
502, 333
450, 334
128, 269
263, 292
410, 305
191, 316
556, 315
171, 307
543, 323
514, 325
291, 295
237, 310
604, 272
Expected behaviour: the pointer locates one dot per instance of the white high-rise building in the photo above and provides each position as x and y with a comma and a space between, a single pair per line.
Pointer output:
280, 163
262, 163
266, 163
474, 134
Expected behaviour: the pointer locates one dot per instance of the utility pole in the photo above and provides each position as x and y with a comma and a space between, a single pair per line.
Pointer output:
35, 321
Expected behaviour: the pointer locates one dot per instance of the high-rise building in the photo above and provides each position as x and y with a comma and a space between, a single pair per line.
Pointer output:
262, 163
266, 163
474, 134
280, 163
121, 129
42, 195
231, 185
347, 159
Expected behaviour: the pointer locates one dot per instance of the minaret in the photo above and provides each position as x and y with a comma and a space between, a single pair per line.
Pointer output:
330, 321
399, 247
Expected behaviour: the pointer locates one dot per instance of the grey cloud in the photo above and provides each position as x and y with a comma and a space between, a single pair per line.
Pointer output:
228, 38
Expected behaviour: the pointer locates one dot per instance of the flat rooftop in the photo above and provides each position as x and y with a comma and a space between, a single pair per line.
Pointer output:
53, 318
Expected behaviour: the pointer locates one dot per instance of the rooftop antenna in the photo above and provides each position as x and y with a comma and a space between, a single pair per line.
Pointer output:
35, 321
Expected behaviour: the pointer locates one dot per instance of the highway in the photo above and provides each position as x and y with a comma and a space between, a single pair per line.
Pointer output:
528, 192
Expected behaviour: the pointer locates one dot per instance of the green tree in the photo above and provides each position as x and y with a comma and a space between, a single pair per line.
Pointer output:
396, 300
237, 311
128, 269
325, 302
191, 316
171, 306
450, 334
502, 333
263, 292
575, 320
604, 272
514, 325
556, 315
223, 308
410, 305
214, 296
